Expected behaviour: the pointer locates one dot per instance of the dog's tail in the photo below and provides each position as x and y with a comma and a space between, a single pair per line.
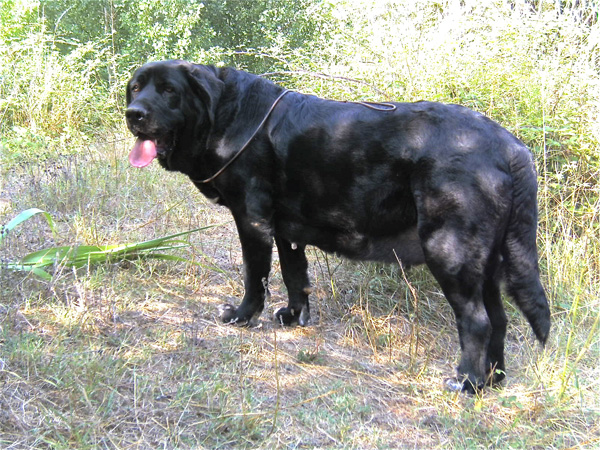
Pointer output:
519, 250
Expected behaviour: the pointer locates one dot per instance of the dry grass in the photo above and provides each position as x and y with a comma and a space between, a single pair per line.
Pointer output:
134, 356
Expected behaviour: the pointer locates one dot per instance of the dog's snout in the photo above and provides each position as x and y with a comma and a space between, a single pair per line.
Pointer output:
136, 114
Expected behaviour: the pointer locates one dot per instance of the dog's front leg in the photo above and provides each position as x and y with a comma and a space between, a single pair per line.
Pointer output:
257, 247
294, 271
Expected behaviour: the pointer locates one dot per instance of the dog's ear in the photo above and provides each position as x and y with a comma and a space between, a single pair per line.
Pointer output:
206, 84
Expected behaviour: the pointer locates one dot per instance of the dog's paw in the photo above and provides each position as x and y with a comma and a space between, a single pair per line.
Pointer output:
231, 315
453, 385
228, 314
290, 316
462, 385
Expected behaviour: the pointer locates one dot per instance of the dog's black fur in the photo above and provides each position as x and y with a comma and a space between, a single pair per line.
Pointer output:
422, 183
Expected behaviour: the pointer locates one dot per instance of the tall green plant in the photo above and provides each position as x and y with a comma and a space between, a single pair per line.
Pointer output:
51, 102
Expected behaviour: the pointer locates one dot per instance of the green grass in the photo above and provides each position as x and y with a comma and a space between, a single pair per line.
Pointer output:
133, 355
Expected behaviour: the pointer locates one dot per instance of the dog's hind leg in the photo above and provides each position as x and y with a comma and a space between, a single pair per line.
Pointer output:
457, 260
474, 332
495, 311
294, 271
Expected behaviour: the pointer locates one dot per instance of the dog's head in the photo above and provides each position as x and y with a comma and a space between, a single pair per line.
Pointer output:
168, 104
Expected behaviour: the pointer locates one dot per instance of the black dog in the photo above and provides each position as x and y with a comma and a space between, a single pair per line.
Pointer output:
416, 182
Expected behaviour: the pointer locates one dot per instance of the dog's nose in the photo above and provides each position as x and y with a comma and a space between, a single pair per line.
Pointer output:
136, 114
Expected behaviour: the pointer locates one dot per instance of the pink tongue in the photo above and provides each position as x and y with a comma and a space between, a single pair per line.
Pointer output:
142, 153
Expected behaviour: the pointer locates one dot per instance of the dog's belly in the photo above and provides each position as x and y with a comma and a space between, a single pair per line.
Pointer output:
403, 246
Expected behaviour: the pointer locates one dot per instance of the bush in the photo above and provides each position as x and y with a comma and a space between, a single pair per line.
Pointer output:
52, 101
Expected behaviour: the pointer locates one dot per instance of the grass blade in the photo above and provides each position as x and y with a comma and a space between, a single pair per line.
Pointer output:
22, 217
35, 270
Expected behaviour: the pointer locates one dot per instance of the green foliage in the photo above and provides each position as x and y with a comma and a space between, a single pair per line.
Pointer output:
50, 101
16, 18
152, 29
160, 30
78, 256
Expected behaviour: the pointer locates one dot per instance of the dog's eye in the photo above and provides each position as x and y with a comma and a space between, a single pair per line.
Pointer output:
135, 88
169, 89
